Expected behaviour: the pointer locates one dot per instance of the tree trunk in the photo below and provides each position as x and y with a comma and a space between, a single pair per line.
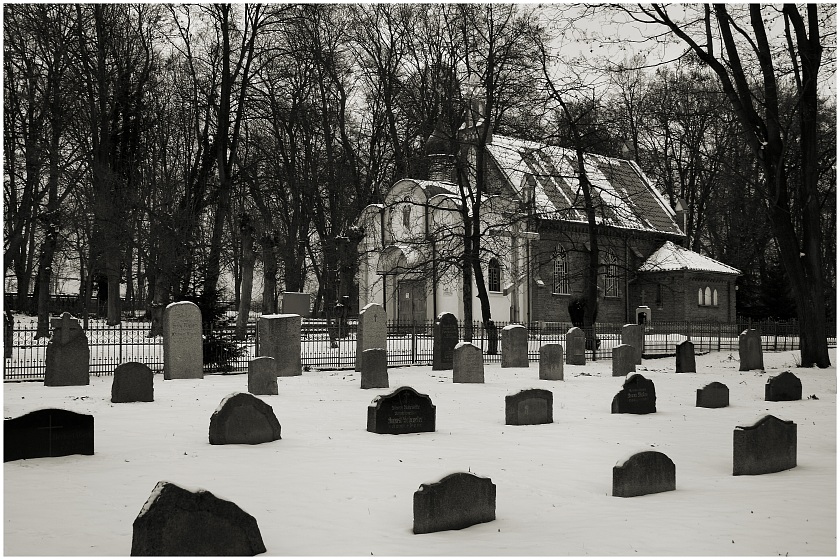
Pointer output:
269, 259
249, 257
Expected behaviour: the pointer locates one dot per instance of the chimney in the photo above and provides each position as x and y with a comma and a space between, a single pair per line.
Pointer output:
681, 210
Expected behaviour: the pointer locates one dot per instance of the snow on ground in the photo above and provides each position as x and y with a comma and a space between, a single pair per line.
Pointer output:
330, 488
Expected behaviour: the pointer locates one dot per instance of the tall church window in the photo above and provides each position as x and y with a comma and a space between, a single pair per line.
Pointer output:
406, 215
561, 271
707, 297
610, 275
714, 297
494, 276
659, 296
700, 296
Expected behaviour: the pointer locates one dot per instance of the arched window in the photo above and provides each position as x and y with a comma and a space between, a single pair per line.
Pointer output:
659, 296
406, 215
494, 276
714, 298
610, 275
561, 271
699, 296
707, 298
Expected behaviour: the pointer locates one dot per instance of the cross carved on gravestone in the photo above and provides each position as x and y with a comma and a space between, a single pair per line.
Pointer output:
64, 324
50, 428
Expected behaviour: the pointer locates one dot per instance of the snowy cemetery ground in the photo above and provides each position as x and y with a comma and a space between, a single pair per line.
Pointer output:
330, 488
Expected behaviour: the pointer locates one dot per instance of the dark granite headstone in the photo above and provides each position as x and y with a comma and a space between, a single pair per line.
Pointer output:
445, 338
685, 357
68, 354
531, 406
749, 350
767, 446
467, 364
713, 395
177, 522
634, 335
514, 346
551, 362
458, 501
404, 411
373, 368
647, 472
262, 376
623, 359
783, 387
243, 418
575, 347
50, 432
637, 396
133, 382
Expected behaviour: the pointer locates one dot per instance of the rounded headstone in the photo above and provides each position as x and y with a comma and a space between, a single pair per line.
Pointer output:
133, 382
243, 418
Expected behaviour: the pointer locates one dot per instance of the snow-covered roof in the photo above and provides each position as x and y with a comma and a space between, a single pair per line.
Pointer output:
672, 257
623, 196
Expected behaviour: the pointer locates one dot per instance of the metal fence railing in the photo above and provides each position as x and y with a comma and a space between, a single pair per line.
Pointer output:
407, 343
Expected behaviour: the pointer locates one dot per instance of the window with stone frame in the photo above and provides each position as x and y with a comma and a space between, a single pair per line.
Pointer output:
561, 271
659, 296
494, 276
610, 274
714, 297
406, 214
700, 296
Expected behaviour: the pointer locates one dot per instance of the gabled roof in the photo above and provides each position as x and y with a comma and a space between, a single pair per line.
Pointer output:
623, 197
671, 257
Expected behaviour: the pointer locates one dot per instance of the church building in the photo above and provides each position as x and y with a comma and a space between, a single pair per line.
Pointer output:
535, 242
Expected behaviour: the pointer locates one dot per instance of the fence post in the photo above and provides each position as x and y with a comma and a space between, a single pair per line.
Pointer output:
413, 341
121, 342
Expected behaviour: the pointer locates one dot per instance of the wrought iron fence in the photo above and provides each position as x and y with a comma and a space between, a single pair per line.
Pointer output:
334, 347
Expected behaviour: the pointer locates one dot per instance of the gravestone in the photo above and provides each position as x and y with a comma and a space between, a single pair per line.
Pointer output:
8, 333
749, 350
685, 357
372, 330
404, 411
783, 387
177, 522
713, 395
634, 335
182, 345
374, 368
68, 354
457, 501
637, 396
648, 472
514, 346
133, 382
531, 406
575, 347
467, 364
623, 360
280, 339
767, 446
49, 432
551, 362
296, 303
262, 376
243, 418
445, 338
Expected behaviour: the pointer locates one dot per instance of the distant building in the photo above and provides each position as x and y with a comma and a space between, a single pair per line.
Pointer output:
535, 243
